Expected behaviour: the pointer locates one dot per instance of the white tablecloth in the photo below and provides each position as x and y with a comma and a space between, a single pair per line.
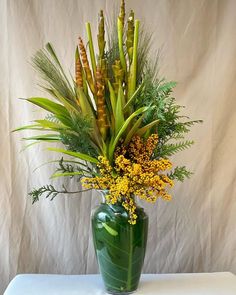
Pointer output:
223, 283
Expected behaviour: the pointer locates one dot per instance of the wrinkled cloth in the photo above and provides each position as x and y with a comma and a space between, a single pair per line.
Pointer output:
150, 284
195, 232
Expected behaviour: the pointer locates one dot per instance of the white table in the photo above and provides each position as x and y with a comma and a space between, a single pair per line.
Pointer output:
223, 283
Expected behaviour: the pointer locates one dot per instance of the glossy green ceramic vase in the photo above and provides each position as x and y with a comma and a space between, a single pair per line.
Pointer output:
120, 247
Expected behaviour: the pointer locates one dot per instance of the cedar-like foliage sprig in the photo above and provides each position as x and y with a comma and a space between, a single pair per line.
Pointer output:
49, 191
65, 167
180, 173
74, 169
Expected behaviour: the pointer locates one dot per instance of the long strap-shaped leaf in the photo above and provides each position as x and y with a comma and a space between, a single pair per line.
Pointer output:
56, 175
86, 107
114, 142
75, 154
44, 137
68, 105
91, 48
133, 130
58, 110
29, 127
147, 127
133, 97
48, 105
119, 117
45, 124
88, 110
112, 97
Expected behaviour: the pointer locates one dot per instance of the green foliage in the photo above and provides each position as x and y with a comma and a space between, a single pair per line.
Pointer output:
47, 64
167, 150
156, 94
83, 157
65, 167
77, 138
115, 141
112, 53
72, 169
126, 99
180, 173
49, 191
144, 47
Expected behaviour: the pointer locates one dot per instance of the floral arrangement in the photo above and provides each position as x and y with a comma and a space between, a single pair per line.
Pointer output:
117, 120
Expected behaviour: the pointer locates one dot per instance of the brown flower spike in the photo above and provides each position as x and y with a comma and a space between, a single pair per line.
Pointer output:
101, 106
78, 73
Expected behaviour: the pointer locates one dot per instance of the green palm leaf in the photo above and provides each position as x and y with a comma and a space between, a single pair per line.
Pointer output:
52, 52
46, 124
49, 105
44, 137
29, 127
71, 106
75, 154
48, 65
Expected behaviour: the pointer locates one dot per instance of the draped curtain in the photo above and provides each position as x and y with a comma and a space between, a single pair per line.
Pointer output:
195, 232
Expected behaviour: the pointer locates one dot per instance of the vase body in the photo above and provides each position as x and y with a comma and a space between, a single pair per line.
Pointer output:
120, 247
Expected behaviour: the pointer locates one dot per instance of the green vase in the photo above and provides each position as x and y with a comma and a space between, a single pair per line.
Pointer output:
120, 247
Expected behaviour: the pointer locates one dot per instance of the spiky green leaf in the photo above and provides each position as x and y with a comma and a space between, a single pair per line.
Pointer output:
75, 155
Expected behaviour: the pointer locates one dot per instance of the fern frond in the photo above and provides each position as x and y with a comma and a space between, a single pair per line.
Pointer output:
168, 150
167, 87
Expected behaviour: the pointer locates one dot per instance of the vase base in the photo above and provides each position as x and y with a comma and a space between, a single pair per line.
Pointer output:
120, 293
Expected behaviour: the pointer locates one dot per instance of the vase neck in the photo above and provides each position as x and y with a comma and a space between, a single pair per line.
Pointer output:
103, 193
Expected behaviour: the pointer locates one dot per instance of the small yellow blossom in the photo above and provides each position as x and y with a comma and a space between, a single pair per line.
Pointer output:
134, 173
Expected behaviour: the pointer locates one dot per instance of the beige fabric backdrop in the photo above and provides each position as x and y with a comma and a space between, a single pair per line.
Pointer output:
193, 233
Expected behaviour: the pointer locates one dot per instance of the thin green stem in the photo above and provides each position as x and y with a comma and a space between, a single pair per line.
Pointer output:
91, 48
120, 42
133, 69
72, 192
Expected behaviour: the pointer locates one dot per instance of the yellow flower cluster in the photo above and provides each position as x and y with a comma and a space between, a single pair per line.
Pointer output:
134, 173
